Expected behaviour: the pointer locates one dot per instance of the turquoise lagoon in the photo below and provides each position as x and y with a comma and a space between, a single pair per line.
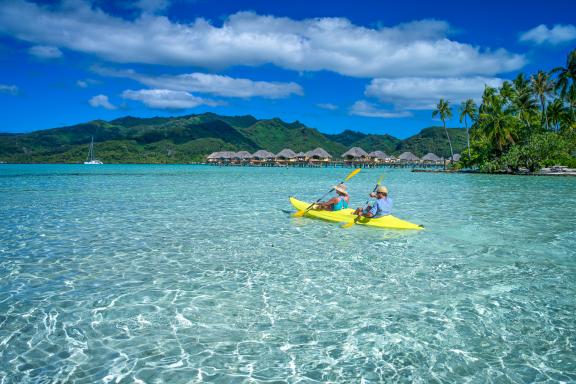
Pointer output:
178, 274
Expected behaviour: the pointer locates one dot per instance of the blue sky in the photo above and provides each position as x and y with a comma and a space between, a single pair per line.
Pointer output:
370, 66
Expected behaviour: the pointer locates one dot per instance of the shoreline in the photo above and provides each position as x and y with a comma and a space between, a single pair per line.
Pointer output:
570, 173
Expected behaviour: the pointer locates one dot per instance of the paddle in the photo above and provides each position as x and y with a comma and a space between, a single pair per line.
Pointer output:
348, 225
350, 175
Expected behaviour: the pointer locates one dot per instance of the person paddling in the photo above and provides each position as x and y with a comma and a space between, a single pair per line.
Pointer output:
336, 203
382, 206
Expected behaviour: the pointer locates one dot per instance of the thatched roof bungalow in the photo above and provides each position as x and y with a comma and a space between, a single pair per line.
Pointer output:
431, 158
286, 154
318, 154
221, 156
408, 157
213, 156
301, 156
262, 155
242, 155
456, 157
355, 153
378, 156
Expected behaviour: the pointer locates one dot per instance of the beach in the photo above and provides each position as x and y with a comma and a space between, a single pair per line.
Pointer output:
189, 273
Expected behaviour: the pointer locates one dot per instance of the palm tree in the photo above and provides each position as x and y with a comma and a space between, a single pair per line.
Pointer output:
467, 109
524, 106
507, 91
498, 125
566, 75
542, 87
443, 109
521, 83
571, 100
556, 113
487, 97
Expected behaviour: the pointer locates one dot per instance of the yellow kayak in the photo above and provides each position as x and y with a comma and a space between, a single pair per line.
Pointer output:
347, 216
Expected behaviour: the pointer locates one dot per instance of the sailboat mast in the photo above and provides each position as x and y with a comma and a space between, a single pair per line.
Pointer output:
91, 150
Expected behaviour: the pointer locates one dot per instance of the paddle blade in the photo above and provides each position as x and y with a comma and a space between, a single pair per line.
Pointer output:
298, 214
380, 180
348, 225
352, 174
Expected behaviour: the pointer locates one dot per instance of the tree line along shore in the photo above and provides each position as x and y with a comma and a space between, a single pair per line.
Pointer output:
524, 126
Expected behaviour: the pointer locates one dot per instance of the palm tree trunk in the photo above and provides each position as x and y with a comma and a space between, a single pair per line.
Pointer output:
543, 102
468, 137
449, 141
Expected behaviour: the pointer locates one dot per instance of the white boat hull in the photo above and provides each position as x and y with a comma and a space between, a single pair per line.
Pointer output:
93, 162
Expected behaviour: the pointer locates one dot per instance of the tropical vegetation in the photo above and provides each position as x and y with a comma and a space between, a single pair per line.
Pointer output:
523, 125
190, 138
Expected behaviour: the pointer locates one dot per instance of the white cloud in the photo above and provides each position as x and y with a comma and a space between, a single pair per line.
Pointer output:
101, 101
212, 84
10, 89
558, 34
420, 48
328, 106
82, 83
424, 93
167, 99
363, 108
45, 52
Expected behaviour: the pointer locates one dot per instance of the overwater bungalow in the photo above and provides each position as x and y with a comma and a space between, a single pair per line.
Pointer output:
213, 157
355, 154
378, 157
261, 156
431, 158
286, 155
220, 157
408, 157
318, 155
242, 156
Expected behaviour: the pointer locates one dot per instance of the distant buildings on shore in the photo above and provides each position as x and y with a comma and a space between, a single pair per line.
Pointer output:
319, 156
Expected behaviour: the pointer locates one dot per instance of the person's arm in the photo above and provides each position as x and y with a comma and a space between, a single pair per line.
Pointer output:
372, 211
327, 204
332, 201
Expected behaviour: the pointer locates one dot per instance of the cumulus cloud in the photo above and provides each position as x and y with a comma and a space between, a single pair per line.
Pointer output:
101, 101
167, 99
328, 106
45, 52
420, 48
212, 84
10, 89
424, 93
82, 83
364, 108
558, 34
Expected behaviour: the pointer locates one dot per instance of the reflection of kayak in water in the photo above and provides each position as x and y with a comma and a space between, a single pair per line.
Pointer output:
347, 216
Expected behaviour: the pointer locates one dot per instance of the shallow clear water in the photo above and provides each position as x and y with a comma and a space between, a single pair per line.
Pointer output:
130, 273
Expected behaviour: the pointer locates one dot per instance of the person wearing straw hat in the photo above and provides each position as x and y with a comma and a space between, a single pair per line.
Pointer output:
336, 203
382, 206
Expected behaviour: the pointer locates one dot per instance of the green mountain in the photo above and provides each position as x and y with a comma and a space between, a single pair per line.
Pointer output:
434, 140
367, 142
190, 138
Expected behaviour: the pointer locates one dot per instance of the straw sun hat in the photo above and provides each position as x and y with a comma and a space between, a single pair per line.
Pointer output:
341, 188
382, 189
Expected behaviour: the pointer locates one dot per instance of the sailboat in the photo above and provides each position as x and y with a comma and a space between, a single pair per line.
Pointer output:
91, 160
